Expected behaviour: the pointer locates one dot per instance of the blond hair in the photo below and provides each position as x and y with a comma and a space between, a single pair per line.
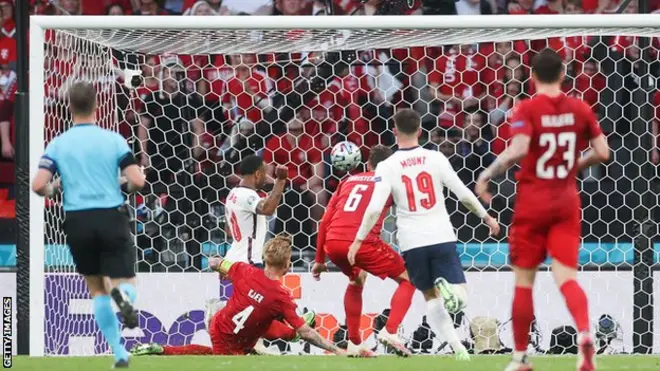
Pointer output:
277, 251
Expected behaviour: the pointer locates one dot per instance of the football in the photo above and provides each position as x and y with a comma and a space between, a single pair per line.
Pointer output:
345, 156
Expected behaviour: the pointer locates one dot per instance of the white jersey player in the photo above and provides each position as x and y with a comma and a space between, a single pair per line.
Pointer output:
246, 211
415, 178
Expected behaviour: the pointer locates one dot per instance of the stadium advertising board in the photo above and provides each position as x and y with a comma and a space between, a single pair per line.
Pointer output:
172, 306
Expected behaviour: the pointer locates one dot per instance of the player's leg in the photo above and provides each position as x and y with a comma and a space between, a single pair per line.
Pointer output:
446, 274
527, 252
380, 260
86, 252
118, 264
563, 244
336, 252
421, 271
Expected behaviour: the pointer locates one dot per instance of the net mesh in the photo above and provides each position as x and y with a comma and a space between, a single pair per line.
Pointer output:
288, 96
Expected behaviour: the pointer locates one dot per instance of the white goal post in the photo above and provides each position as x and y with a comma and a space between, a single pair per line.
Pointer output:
159, 35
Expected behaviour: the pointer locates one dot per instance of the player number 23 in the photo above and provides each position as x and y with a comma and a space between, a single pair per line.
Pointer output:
241, 317
552, 141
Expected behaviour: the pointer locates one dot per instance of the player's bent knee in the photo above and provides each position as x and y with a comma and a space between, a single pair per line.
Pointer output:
430, 294
402, 277
96, 285
360, 279
562, 273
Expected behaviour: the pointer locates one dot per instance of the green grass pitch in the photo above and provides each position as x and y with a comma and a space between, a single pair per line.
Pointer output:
315, 363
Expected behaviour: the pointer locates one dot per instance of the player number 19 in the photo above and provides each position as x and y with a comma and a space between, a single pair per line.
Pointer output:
552, 141
241, 317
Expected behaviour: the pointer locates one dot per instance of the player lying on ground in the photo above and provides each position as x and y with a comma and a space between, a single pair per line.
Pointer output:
415, 177
549, 133
88, 160
246, 211
339, 226
258, 300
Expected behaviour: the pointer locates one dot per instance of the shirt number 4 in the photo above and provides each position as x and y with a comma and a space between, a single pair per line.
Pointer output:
241, 317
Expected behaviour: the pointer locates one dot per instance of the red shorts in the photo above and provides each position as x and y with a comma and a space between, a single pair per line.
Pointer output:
377, 258
531, 240
220, 344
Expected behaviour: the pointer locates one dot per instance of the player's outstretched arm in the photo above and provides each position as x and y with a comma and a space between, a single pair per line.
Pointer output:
268, 205
313, 337
599, 152
516, 150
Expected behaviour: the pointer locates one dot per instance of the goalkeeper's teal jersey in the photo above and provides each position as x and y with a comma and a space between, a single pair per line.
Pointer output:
88, 160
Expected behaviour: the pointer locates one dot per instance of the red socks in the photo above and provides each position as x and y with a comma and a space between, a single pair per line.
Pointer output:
576, 301
401, 300
523, 315
353, 308
280, 330
192, 349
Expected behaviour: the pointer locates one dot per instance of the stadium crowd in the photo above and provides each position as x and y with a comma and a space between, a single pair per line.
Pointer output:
196, 116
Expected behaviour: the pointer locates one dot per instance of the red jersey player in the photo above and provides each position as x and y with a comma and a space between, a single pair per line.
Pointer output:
258, 300
549, 133
339, 226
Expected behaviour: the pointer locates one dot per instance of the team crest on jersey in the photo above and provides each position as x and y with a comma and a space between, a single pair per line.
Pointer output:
251, 200
376, 179
518, 124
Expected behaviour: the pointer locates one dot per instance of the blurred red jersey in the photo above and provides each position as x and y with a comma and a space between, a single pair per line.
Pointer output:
346, 209
256, 302
560, 129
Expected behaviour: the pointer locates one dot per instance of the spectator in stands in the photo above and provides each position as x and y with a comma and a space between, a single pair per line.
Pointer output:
216, 5
454, 83
7, 19
475, 7
7, 94
292, 7
69, 7
474, 149
115, 9
303, 204
247, 91
204, 8
170, 127
150, 7
242, 142
655, 130
254, 7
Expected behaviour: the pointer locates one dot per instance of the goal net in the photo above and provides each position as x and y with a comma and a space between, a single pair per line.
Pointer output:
216, 90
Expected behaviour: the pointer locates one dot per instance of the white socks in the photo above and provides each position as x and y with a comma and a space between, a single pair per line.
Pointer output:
441, 323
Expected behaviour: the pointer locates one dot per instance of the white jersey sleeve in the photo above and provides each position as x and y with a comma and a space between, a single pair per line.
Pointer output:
248, 229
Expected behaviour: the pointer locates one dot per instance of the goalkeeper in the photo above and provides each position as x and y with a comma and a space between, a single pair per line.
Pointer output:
88, 160
258, 301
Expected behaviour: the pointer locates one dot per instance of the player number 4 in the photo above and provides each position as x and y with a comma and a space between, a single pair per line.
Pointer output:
552, 141
354, 198
241, 317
